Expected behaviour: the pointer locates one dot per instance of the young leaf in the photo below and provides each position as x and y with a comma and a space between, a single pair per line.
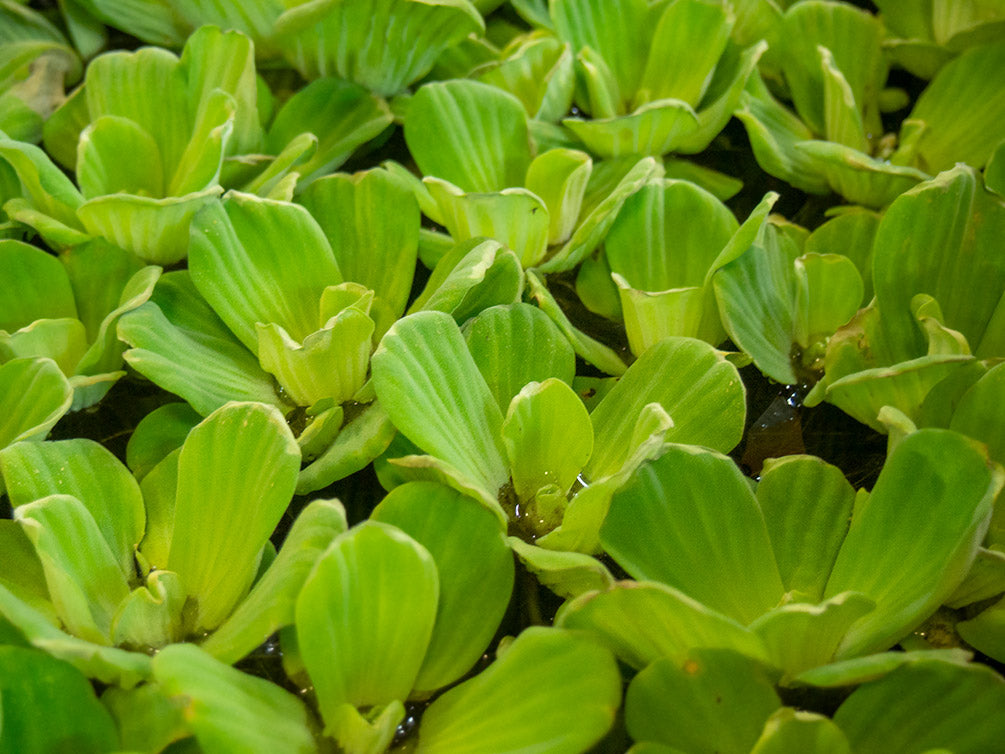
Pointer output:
34, 394
475, 571
689, 519
567, 574
535, 696
371, 602
431, 388
239, 465
908, 565
715, 700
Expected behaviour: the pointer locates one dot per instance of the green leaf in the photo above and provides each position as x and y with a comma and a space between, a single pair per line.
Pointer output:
22, 572
180, 344
499, 333
34, 394
807, 504
984, 581
643, 621
147, 718
800, 636
788, 730
85, 583
152, 22
323, 38
655, 128
227, 708
690, 520
431, 388
161, 431
926, 705
854, 38
697, 387
842, 118
688, 41
62, 340
969, 136
535, 696
567, 574
855, 175
994, 171
515, 217
372, 224
238, 465
106, 664
619, 32
938, 239
560, 177
539, 72
38, 286
715, 700
32, 681
93, 476
850, 234
270, 604
342, 115
548, 438
909, 566
986, 631
978, 413
475, 570
101, 169
371, 602
44, 186
870, 667
237, 262
470, 134
151, 615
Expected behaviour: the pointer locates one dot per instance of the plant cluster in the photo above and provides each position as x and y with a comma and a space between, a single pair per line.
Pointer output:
456, 451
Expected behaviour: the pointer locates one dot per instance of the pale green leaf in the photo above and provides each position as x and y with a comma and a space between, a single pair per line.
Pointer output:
270, 604
517, 344
45, 188
431, 388
239, 262
842, 117
100, 167
158, 433
689, 520
714, 700
910, 565
870, 667
855, 175
789, 730
237, 466
228, 709
978, 413
470, 134
559, 177
370, 602
475, 570
534, 698
655, 128
151, 614
567, 574
35, 394
539, 71
37, 286
642, 622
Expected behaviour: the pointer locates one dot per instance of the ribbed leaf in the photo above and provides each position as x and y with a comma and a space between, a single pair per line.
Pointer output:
938, 239
76, 721
85, 582
34, 394
828, 293
926, 705
807, 504
323, 38
619, 32
842, 117
870, 667
475, 570
539, 72
789, 730
970, 135
910, 565
517, 344
857, 176
655, 128
559, 177
342, 115
687, 43
979, 412
270, 604
431, 388
567, 574
372, 223
101, 169
690, 520
179, 343
37, 286
237, 468
228, 709
470, 134
43, 185
548, 438
89, 473
155, 230
800, 636
642, 622
364, 618
534, 697
714, 701
239, 262
697, 387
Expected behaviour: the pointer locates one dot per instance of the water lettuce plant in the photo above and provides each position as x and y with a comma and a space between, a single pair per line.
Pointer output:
576, 416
